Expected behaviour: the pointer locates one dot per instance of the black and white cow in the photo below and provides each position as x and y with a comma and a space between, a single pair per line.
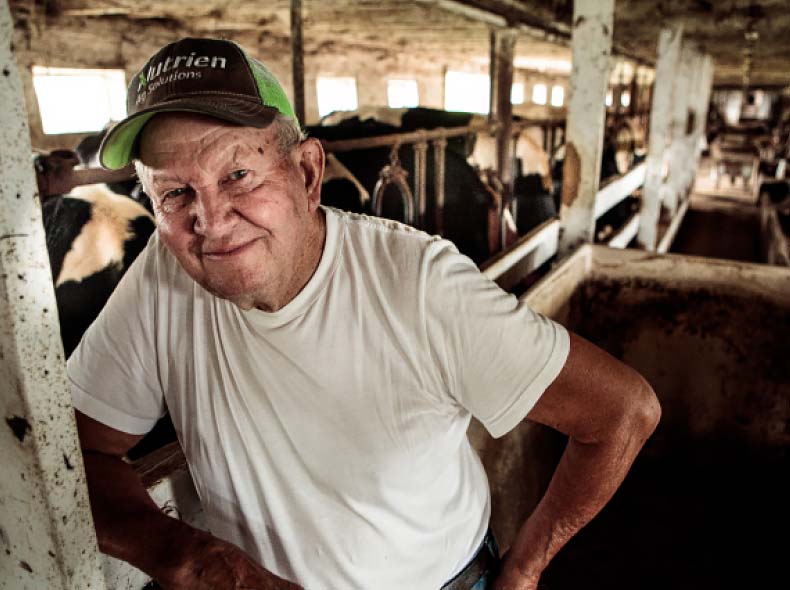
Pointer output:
93, 234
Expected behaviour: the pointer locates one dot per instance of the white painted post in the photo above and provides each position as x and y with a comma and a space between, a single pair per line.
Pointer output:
47, 539
678, 150
705, 85
591, 47
669, 40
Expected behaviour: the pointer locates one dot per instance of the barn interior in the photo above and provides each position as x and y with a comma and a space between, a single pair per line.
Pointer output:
627, 164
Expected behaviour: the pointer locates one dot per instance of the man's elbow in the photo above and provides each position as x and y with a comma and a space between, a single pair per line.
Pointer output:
641, 409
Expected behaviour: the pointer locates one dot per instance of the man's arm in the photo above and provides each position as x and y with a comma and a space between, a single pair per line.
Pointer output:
130, 526
608, 410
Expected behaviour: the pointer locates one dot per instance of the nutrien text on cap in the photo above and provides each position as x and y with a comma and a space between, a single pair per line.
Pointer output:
208, 76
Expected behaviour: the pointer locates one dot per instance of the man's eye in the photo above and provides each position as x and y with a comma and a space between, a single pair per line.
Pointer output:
238, 174
176, 192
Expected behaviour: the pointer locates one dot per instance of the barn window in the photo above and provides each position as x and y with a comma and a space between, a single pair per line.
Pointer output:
517, 93
78, 100
539, 94
466, 92
402, 93
557, 96
336, 94
609, 98
625, 98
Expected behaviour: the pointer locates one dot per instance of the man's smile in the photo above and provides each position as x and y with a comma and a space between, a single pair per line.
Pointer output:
224, 252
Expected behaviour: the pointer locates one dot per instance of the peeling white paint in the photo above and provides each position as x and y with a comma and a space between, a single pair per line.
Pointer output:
591, 45
47, 540
668, 53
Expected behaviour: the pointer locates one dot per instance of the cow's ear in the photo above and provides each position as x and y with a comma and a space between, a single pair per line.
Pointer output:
311, 163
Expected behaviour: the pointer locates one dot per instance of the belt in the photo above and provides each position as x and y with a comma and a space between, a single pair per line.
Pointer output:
485, 564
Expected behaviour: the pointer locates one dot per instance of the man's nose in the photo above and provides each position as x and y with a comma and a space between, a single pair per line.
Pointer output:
213, 214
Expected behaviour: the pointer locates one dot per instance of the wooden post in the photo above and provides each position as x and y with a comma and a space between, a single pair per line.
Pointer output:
679, 164
669, 41
591, 47
703, 96
492, 76
297, 60
47, 539
633, 108
505, 42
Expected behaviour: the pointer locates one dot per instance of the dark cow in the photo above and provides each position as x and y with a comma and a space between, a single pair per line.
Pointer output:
469, 217
468, 202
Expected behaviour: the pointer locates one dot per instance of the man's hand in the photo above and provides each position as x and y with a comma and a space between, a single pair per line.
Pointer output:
213, 564
130, 526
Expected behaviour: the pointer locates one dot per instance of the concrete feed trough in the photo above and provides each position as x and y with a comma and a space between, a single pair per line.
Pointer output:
708, 491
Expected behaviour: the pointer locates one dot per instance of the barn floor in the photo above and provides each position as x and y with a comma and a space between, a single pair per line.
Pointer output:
720, 228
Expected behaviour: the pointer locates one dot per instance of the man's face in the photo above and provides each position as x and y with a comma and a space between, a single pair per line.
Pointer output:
241, 217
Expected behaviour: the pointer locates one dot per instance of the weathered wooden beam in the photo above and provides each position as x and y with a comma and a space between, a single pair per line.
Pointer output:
704, 87
467, 11
505, 49
47, 538
669, 42
591, 48
679, 164
297, 60
505, 41
492, 40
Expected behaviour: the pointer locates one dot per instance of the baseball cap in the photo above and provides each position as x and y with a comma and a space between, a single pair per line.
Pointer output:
208, 76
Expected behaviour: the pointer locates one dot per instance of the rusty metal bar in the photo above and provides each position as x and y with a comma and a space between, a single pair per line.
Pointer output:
297, 60
492, 76
347, 145
439, 146
84, 176
47, 535
420, 181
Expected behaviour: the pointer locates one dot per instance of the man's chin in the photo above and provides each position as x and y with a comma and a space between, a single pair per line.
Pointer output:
243, 299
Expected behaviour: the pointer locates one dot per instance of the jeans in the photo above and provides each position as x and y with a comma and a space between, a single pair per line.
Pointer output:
487, 577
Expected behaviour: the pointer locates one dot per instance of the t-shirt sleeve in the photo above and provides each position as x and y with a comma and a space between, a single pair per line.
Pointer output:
496, 356
113, 371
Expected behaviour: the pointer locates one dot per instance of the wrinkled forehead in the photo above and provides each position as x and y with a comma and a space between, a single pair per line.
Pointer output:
178, 139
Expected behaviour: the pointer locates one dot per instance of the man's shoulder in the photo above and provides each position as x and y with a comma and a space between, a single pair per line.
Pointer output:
391, 249
379, 233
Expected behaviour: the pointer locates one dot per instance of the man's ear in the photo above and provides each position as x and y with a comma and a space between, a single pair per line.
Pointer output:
311, 162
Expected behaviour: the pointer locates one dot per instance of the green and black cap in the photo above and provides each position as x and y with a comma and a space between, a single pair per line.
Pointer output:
208, 76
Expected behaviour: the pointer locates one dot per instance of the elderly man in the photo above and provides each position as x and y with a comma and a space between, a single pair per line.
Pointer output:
321, 368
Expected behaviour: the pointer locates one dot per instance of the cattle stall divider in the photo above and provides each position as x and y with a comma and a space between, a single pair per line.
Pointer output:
541, 244
420, 140
775, 243
47, 537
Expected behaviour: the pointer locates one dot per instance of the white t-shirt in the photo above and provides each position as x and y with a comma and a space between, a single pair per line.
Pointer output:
328, 439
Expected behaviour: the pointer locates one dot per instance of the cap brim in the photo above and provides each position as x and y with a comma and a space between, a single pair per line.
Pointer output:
117, 149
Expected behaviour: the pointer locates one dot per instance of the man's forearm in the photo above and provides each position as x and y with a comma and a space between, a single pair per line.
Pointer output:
129, 525
586, 477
